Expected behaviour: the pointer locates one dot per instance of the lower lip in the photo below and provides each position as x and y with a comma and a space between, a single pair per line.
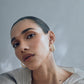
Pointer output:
28, 59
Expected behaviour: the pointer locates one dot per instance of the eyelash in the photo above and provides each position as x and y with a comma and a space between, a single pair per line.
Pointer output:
15, 45
28, 37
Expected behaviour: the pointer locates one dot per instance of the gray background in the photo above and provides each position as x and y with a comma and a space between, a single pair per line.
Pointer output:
64, 17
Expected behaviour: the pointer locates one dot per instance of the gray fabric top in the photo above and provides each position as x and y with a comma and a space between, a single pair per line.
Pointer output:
18, 76
23, 76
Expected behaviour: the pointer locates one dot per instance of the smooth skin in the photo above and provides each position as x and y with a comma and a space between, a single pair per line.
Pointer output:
27, 37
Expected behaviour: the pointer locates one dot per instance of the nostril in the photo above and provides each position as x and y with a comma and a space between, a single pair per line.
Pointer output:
22, 51
25, 48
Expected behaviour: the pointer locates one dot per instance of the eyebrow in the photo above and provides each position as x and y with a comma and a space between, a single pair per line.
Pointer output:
24, 31
13, 39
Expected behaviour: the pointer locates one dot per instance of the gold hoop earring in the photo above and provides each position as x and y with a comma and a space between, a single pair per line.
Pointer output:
23, 65
52, 47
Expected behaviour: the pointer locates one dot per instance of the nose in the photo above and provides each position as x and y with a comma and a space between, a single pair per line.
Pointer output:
24, 50
24, 47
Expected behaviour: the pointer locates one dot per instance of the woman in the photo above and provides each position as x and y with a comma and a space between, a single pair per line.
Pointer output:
33, 44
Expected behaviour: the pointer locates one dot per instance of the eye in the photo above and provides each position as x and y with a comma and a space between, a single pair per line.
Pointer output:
15, 45
30, 36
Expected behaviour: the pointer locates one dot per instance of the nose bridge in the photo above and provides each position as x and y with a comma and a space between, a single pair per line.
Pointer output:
24, 46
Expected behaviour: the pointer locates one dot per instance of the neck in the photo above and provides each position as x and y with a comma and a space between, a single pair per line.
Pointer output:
48, 72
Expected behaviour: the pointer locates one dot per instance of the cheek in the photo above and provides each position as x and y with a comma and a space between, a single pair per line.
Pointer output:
17, 53
40, 44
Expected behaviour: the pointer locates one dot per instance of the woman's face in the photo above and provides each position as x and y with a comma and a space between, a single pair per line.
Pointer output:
30, 43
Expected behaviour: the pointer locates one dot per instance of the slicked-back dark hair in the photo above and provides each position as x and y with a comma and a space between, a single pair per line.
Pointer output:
38, 21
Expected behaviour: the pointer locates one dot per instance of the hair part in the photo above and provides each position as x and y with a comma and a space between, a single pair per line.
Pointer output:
38, 21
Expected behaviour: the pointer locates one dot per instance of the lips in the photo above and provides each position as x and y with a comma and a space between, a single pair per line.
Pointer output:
26, 57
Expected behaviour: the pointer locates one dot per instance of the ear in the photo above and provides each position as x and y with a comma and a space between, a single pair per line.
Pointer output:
51, 37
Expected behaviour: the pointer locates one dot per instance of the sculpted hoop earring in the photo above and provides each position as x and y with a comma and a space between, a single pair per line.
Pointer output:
52, 47
23, 65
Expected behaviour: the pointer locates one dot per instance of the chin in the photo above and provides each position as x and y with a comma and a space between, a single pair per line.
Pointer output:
32, 67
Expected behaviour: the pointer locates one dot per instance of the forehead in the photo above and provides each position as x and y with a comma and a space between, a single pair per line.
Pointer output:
22, 25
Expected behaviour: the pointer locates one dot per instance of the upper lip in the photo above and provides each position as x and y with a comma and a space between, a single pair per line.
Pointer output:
26, 56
